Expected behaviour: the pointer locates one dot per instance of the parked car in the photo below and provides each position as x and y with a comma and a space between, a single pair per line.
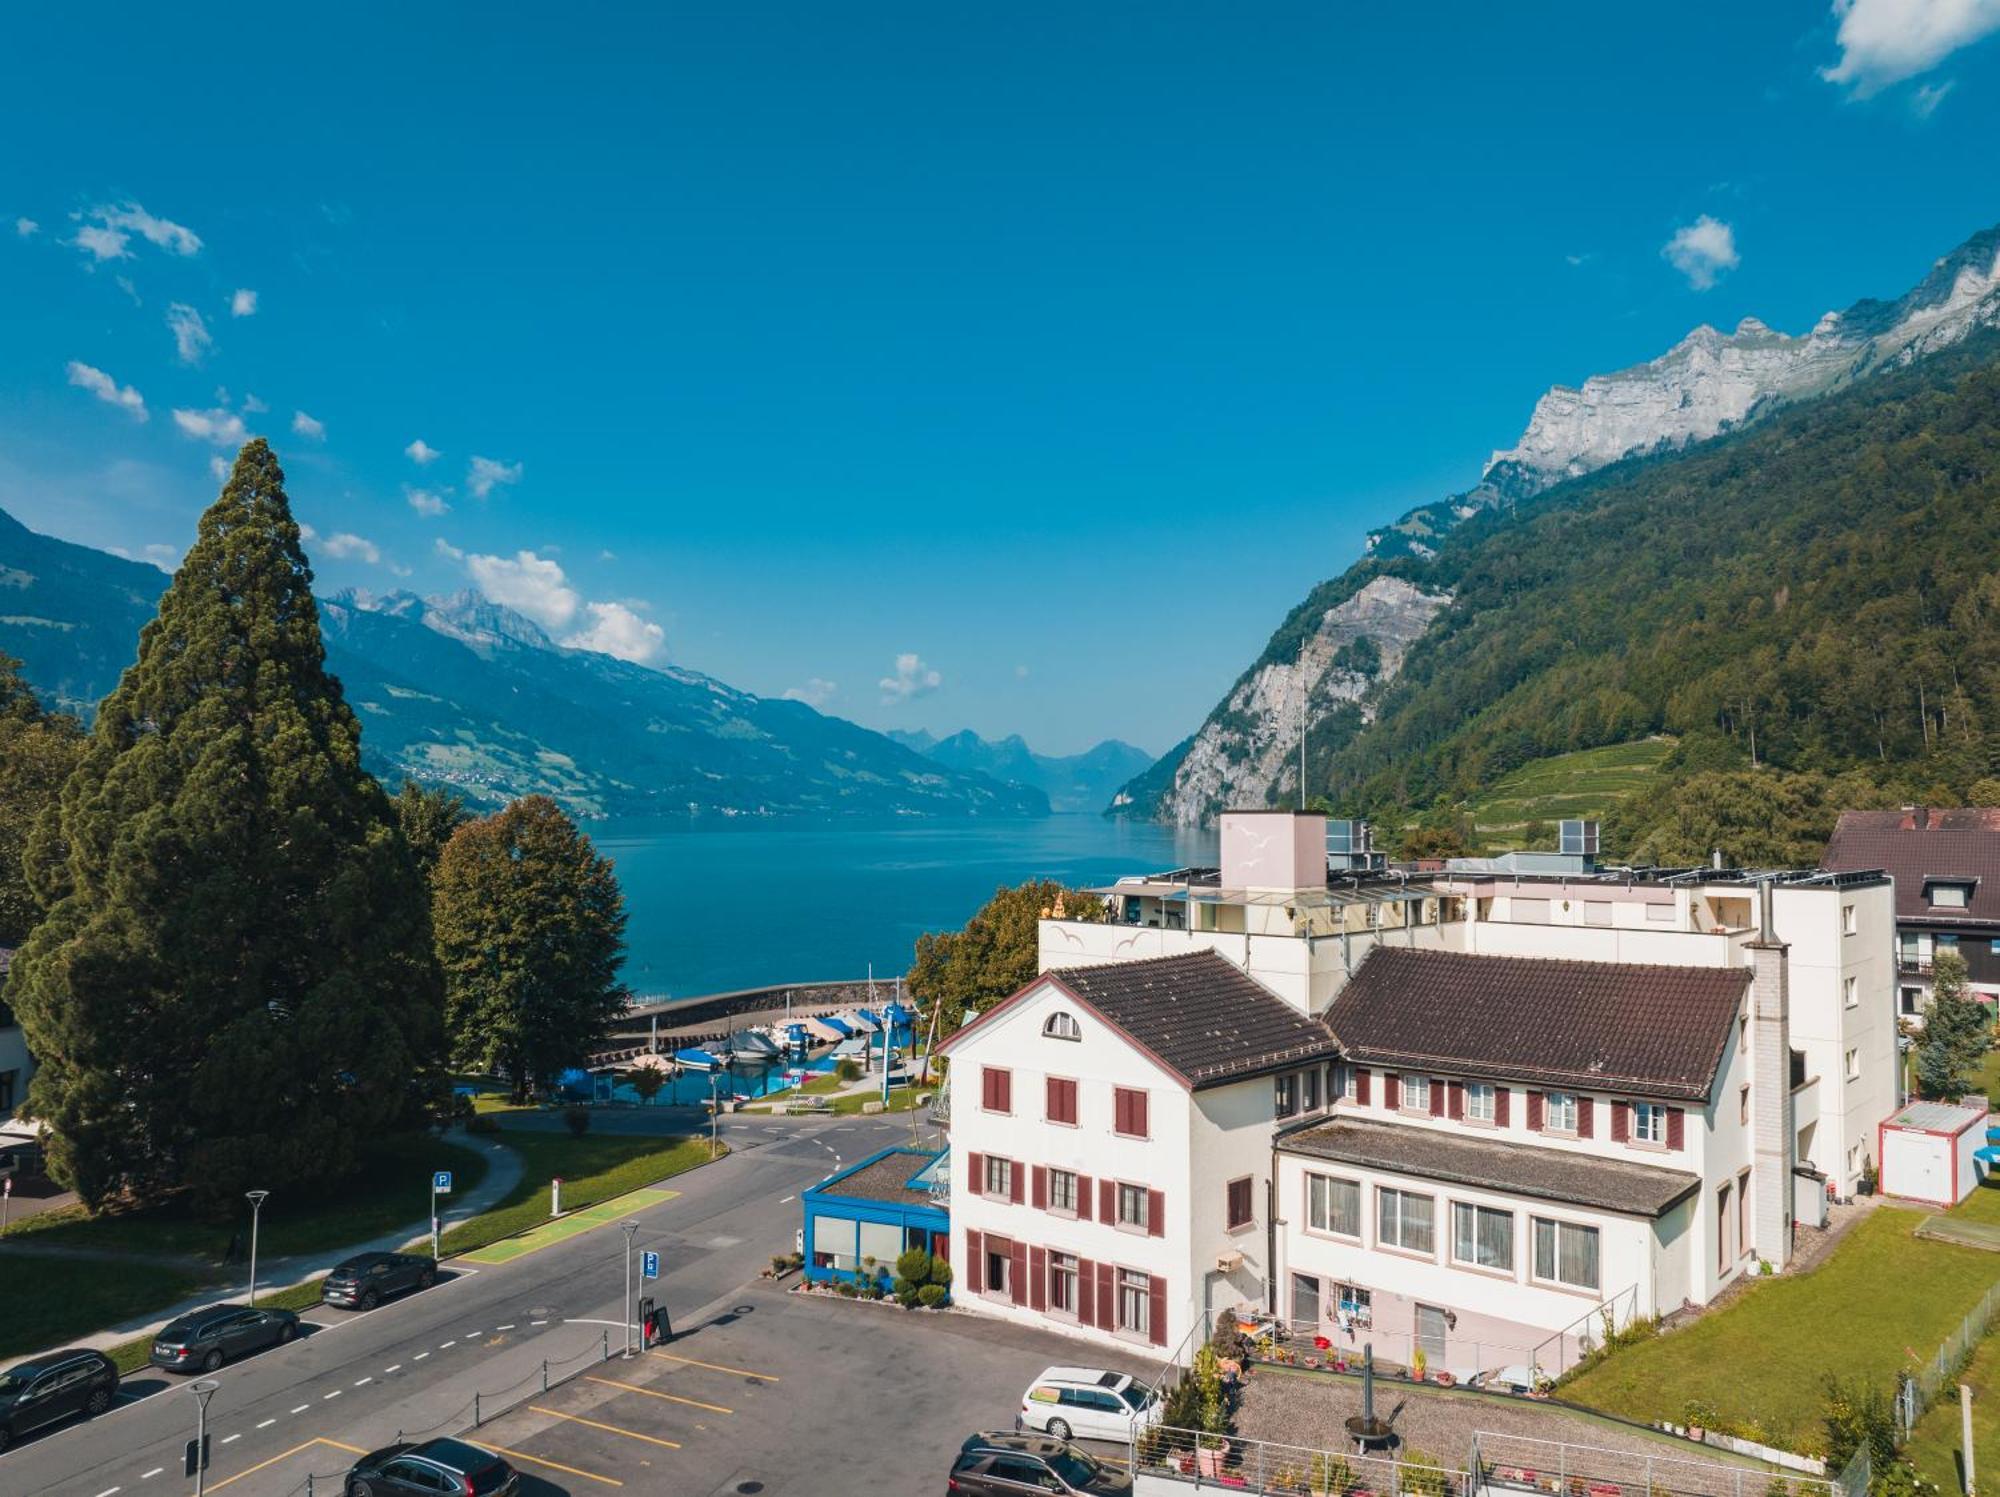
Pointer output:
1070, 1401
202, 1340
53, 1387
432, 1467
365, 1280
1015, 1465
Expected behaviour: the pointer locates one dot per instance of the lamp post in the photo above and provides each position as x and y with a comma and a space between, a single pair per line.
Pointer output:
256, 1199
203, 1392
631, 1233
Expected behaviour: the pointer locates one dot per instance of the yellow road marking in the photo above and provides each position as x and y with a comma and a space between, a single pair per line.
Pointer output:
694, 1403
716, 1367
630, 1434
285, 1456
535, 1460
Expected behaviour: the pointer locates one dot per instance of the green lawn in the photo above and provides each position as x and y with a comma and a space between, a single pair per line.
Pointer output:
1762, 1361
1583, 784
50, 1300
1934, 1443
592, 1169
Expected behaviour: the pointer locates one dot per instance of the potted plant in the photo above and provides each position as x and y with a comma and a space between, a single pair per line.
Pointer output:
1418, 1362
1210, 1454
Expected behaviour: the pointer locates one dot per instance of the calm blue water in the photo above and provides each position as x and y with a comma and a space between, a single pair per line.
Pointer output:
720, 907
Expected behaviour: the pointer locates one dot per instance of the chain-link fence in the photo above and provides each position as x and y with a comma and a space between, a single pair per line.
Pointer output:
1922, 1384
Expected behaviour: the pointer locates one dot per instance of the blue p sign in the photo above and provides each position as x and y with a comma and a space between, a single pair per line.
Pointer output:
441, 1182
649, 1265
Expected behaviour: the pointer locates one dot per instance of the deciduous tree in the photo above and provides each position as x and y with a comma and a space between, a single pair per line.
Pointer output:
428, 817
996, 953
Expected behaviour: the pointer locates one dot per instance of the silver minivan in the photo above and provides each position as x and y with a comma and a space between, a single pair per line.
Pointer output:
1088, 1403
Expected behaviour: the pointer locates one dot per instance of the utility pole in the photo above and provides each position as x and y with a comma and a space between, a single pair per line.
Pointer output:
256, 1198
631, 1232
1965, 1424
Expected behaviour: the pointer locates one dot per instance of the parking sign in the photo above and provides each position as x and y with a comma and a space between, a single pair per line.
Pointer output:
441, 1183
649, 1265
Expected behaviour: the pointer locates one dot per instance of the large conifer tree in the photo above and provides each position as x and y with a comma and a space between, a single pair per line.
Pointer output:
234, 984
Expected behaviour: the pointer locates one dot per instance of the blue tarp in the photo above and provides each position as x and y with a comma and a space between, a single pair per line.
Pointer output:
831, 1023
1990, 1154
701, 1058
897, 1014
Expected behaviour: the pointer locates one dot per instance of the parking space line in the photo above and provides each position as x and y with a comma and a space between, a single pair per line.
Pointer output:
522, 1455
693, 1403
764, 1377
285, 1455
630, 1434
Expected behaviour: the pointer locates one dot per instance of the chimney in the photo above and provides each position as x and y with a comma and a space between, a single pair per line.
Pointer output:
1923, 818
1773, 1141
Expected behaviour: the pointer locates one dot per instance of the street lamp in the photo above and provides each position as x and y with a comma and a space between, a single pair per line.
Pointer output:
256, 1198
631, 1233
203, 1392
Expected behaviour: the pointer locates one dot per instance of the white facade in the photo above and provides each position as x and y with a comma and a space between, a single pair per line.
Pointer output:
1929, 1152
16, 1066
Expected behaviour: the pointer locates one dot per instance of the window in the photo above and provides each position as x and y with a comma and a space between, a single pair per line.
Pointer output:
1060, 1100
1135, 1295
1530, 911
1649, 1123
1285, 1095
1993, 948
1848, 924
1479, 1101
1128, 1112
996, 1089
1062, 1281
1416, 1094
1850, 992
999, 1267
1353, 1306
1241, 1203
1341, 1087
1913, 1000
1482, 1236
1062, 1026
999, 1177
1132, 1206
1404, 1219
1333, 1205
1854, 1065
1743, 1105
1945, 897
1661, 913
1565, 1254
1311, 1083
1305, 1300
1559, 1112
1597, 912
1062, 1191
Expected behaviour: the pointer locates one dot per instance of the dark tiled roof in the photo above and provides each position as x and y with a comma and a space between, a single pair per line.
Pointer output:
1960, 844
884, 1179
1594, 1026
1492, 1164
1199, 1015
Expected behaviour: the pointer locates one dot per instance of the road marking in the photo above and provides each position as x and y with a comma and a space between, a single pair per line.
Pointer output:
267, 1424
630, 1434
387, 1370
503, 1328
325, 1396
301, 1408
421, 1355
695, 1403
787, 1199
535, 1460
109, 1490
448, 1346
716, 1366
472, 1335
363, 1382
149, 1475
285, 1455
538, 1322
231, 1439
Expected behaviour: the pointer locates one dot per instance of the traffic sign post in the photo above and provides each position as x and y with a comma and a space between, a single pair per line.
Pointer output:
440, 1186
194, 1456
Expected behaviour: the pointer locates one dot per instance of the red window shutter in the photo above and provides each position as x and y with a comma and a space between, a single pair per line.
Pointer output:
1621, 1122
1006, 1091
1117, 1109
1041, 1182
1083, 1198
1448, 1099
975, 1263
1107, 1306
1038, 1279
1086, 1292
1586, 1111
1052, 1100
1361, 1078
1676, 1128
1015, 1184
1017, 1280
1107, 1201
988, 1087
1139, 1120
1534, 1112
1156, 1311
975, 1169
1501, 1097
1392, 1090
1156, 1213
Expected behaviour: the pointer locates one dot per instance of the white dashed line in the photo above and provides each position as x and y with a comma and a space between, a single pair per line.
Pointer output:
538, 1322
387, 1370
788, 1198
503, 1328
149, 1475
231, 1439
420, 1356
109, 1490
363, 1382
448, 1346
301, 1408
325, 1396
267, 1424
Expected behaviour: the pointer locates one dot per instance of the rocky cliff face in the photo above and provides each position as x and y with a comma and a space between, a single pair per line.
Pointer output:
1708, 383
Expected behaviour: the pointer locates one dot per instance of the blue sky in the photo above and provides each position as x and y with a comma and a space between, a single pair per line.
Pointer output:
1014, 367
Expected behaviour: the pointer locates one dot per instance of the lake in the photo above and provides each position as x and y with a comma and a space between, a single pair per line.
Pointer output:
715, 908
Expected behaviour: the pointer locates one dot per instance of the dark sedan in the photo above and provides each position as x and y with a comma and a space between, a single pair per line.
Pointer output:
430, 1468
366, 1279
52, 1388
202, 1340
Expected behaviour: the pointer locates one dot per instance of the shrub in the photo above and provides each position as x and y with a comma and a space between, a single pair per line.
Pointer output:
577, 1120
930, 1296
1853, 1415
846, 1070
940, 1273
914, 1265
1422, 1475
906, 1293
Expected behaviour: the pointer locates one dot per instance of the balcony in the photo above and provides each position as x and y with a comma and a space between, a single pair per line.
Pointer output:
1909, 966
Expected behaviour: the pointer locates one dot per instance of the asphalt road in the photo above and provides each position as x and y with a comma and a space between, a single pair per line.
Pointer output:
356, 1381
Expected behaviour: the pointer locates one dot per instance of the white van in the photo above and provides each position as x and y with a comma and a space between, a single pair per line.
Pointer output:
1088, 1403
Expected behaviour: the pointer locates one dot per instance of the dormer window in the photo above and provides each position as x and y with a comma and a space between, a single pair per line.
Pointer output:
1062, 1026
1947, 894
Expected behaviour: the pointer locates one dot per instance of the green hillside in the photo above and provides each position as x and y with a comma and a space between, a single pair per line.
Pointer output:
1522, 808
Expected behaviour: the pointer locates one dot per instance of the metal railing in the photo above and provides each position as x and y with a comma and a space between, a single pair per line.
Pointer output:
1308, 1343
1507, 1464
1586, 1332
1291, 1470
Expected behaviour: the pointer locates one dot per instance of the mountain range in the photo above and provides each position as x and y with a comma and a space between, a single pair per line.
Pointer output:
458, 691
1072, 782
1337, 657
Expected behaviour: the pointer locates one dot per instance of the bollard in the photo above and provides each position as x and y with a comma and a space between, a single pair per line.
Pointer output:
545, 1374
607, 1347
475, 1409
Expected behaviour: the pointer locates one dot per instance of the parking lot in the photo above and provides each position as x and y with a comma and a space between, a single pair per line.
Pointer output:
785, 1393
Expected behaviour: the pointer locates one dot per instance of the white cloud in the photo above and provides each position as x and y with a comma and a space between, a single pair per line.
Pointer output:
487, 472
165, 557
218, 467
243, 303
1885, 41
344, 545
252, 406
912, 679
1702, 251
425, 502
107, 389
618, 631
102, 244
26, 227
529, 584
817, 692
124, 284
105, 232
1924, 102
447, 550
307, 427
191, 335
421, 452
222, 427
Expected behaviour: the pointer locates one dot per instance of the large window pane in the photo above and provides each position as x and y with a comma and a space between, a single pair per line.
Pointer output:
1333, 1205
834, 1236
1566, 1253
1482, 1236
881, 1242
1305, 1299
1404, 1220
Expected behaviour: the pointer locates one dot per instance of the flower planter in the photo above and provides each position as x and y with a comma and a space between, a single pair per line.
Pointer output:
1209, 1461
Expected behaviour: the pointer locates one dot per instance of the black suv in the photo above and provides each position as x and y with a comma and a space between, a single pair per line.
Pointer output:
431, 1468
1007, 1465
54, 1387
202, 1340
366, 1279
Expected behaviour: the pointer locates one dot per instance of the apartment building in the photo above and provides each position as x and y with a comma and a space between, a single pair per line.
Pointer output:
1111, 1134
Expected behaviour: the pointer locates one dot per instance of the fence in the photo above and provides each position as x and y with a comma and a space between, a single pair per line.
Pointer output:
1508, 1464
1292, 1470
1921, 1385
1575, 1341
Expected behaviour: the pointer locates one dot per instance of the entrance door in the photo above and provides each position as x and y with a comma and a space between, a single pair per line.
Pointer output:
1430, 1334
1305, 1302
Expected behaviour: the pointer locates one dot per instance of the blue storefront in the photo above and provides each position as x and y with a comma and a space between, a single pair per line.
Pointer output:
878, 1209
